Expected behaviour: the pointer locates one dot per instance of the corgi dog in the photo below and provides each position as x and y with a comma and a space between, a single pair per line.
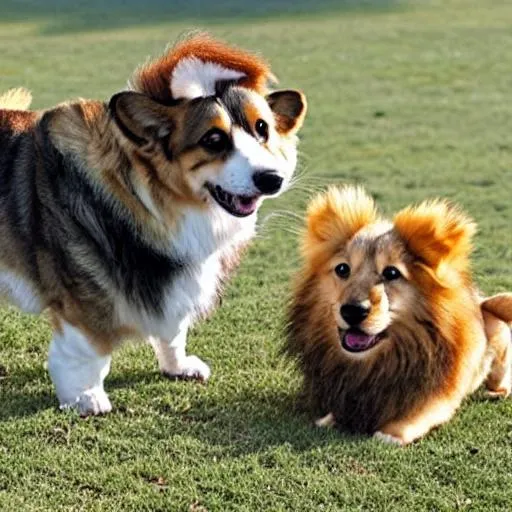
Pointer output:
124, 218
385, 322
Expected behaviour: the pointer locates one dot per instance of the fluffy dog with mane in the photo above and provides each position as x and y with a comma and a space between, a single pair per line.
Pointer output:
386, 324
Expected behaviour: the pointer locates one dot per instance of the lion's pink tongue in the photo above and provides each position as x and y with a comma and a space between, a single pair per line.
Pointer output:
357, 340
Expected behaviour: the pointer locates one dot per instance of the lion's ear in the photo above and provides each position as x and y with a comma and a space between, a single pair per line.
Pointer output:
335, 216
437, 233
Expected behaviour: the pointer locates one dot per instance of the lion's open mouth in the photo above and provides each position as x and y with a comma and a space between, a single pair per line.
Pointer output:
355, 340
237, 205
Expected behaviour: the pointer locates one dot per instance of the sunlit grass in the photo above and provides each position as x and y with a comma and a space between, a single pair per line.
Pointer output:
410, 99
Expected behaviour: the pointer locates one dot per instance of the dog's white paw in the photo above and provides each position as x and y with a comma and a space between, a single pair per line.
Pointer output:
497, 393
90, 403
190, 367
388, 438
326, 421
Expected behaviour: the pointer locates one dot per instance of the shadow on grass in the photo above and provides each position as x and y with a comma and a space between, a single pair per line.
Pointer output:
242, 421
253, 422
16, 401
62, 16
19, 404
239, 422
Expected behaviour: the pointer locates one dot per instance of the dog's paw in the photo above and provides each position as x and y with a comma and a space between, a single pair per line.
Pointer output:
496, 394
388, 438
90, 403
190, 367
326, 421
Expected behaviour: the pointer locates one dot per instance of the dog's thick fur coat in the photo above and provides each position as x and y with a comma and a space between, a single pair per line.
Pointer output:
385, 323
122, 219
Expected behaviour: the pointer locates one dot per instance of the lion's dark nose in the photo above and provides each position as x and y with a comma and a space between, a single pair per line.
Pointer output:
267, 182
354, 313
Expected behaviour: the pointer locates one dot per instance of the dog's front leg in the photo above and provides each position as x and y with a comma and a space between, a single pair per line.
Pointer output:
172, 357
434, 413
78, 370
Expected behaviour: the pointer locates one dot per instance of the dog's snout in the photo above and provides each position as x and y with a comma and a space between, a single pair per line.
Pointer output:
267, 182
354, 313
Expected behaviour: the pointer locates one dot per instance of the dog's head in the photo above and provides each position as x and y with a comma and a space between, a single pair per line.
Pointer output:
380, 279
202, 129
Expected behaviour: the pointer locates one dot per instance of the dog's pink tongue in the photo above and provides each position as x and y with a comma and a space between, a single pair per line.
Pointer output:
245, 205
358, 340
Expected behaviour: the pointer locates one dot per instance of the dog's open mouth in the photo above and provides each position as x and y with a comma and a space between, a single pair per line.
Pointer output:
237, 205
355, 340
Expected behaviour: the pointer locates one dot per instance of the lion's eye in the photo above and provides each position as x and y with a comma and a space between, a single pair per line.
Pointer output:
261, 128
391, 273
342, 270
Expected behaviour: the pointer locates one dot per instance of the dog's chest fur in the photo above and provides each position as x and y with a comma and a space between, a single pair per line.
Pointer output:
203, 243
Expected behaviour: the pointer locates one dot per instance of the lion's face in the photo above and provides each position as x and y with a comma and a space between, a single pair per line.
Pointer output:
369, 288
383, 312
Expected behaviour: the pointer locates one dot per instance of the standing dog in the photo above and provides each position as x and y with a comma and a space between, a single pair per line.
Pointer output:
385, 322
124, 218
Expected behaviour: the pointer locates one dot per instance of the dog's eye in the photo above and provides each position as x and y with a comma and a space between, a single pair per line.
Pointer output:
215, 140
391, 273
342, 270
261, 128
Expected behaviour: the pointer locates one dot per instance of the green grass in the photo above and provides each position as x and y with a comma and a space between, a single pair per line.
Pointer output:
413, 99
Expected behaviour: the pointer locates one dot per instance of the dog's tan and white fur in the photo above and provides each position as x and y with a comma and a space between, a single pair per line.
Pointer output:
123, 218
385, 322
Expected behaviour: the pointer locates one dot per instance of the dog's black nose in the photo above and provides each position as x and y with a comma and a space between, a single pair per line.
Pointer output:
267, 182
354, 314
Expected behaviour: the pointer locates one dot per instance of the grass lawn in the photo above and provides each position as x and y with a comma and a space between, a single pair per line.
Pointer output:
413, 99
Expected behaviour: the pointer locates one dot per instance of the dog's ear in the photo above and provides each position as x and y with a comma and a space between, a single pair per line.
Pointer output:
335, 216
499, 305
289, 108
438, 234
140, 118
